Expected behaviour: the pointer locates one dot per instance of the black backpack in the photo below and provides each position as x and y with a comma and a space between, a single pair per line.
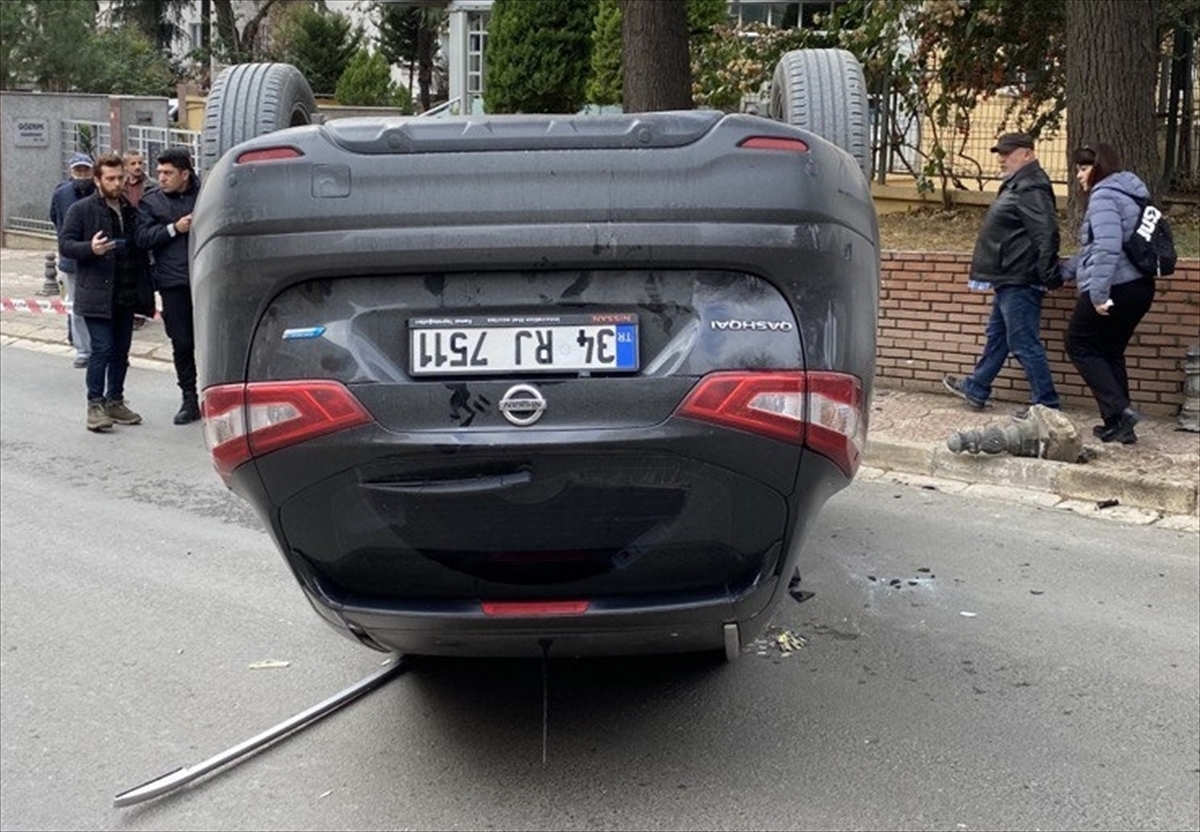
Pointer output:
1151, 246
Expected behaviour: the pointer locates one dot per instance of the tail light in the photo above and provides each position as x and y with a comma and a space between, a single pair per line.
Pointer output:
244, 421
822, 411
785, 143
268, 154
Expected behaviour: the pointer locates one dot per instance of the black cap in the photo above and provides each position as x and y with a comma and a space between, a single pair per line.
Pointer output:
1011, 141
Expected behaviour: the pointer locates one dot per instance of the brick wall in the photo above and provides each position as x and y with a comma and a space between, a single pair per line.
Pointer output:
930, 324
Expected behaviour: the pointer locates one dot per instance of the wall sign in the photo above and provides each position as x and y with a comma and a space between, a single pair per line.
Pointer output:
32, 132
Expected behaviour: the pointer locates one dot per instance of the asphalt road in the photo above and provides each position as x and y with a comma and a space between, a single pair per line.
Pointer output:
963, 665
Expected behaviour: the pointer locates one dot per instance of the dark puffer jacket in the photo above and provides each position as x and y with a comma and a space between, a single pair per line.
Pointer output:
95, 275
168, 254
1018, 244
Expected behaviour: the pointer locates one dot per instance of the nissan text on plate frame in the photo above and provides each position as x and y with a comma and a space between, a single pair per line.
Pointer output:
495, 382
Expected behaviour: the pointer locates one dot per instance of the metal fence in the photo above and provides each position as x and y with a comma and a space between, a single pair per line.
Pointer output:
90, 137
30, 225
903, 140
151, 141
95, 137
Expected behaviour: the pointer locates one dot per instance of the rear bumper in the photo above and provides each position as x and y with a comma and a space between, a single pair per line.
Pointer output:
669, 620
614, 627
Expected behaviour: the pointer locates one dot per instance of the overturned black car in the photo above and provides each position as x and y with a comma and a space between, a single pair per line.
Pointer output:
495, 382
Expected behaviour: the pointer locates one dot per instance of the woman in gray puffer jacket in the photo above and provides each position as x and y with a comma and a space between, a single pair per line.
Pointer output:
1113, 294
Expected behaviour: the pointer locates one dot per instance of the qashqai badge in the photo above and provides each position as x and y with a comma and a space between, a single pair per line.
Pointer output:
522, 405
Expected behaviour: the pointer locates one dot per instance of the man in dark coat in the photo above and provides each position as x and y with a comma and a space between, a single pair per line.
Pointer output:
164, 226
1016, 256
111, 285
80, 184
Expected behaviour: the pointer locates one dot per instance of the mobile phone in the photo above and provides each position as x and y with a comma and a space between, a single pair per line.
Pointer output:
118, 242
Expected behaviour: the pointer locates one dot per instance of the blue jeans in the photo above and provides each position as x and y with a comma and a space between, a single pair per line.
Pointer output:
75, 326
109, 361
1014, 327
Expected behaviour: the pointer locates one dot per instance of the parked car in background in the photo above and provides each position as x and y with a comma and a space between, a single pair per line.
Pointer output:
496, 384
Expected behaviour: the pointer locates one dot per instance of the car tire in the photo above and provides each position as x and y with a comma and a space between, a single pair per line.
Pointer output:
823, 90
248, 100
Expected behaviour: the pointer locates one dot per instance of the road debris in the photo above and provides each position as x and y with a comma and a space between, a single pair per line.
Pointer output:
268, 664
785, 641
966, 614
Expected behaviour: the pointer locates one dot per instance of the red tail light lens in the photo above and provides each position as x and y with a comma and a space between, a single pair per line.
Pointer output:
243, 421
774, 143
821, 411
268, 154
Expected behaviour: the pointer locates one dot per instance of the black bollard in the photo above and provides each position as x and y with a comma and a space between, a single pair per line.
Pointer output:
50, 276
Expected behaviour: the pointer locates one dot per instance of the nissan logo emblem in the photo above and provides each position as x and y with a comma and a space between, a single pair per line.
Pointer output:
522, 405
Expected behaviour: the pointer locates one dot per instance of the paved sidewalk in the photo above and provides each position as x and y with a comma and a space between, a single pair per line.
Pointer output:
1152, 482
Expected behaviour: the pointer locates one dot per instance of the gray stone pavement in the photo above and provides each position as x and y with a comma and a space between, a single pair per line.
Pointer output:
1152, 482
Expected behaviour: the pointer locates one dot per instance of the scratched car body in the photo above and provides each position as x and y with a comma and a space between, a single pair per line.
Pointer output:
494, 383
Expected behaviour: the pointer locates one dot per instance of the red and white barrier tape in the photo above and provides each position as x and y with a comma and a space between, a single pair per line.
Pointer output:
35, 306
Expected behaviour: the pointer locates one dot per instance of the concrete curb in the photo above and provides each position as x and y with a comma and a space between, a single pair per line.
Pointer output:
1065, 481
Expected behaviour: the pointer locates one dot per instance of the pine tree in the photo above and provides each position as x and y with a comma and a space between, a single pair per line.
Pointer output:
537, 60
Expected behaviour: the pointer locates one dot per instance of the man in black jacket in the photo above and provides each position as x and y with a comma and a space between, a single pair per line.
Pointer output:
164, 225
111, 285
1016, 255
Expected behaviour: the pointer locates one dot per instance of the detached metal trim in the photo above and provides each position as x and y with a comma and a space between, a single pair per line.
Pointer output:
180, 777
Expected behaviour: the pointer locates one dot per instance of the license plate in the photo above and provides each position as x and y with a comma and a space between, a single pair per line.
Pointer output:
523, 344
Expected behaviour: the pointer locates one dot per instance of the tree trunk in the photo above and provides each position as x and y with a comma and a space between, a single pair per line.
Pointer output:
1112, 67
239, 48
425, 38
654, 52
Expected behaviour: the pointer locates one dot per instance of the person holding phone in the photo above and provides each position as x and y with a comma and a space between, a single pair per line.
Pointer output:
164, 227
112, 284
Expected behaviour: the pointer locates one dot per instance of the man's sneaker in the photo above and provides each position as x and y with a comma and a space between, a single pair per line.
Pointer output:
955, 386
97, 418
119, 412
81, 361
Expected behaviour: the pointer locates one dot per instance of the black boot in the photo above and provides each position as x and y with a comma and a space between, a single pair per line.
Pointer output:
1110, 424
190, 411
1123, 430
